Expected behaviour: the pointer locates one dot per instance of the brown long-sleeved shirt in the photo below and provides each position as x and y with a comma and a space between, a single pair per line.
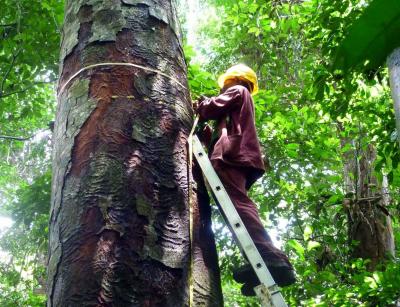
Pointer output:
237, 144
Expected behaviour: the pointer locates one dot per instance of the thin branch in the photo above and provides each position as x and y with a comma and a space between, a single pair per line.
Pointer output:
16, 138
9, 70
8, 25
21, 139
25, 89
369, 198
19, 17
55, 22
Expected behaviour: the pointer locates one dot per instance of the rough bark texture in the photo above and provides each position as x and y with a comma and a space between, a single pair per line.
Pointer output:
393, 63
369, 222
119, 228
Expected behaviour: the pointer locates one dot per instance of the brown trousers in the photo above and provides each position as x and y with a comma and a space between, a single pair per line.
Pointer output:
234, 180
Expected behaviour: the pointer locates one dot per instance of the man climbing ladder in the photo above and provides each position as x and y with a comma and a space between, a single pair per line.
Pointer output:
236, 157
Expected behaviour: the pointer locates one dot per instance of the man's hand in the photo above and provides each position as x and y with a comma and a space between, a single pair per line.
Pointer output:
196, 103
202, 98
205, 135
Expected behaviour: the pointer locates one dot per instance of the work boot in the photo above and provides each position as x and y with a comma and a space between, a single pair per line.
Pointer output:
248, 290
282, 275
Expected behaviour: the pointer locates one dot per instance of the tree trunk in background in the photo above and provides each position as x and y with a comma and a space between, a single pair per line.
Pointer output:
366, 204
119, 227
393, 63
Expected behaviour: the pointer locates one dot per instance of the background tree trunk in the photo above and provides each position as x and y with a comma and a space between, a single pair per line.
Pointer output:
119, 226
369, 222
393, 63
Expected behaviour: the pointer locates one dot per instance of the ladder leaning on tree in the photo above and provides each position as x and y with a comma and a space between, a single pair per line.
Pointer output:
268, 291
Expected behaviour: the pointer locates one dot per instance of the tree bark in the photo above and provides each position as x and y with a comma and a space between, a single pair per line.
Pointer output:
393, 63
369, 223
119, 225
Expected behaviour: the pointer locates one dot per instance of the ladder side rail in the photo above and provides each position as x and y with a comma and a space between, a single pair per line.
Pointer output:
263, 292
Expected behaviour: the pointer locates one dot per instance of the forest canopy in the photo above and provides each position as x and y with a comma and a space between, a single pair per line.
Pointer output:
325, 120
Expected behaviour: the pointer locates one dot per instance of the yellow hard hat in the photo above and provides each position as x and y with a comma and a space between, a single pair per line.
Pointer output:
240, 71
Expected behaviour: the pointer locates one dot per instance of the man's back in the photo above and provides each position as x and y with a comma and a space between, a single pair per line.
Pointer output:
237, 144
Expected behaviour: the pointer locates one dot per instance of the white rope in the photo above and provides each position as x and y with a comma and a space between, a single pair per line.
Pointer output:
118, 64
191, 225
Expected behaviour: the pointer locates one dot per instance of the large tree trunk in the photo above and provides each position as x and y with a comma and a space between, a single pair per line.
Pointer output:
369, 222
119, 228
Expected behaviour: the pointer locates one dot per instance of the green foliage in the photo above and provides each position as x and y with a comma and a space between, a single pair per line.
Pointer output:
200, 81
28, 61
304, 113
22, 276
347, 284
30, 36
33, 201
371, 38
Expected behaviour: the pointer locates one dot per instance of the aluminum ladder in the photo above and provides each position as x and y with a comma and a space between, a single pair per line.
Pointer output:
268, 291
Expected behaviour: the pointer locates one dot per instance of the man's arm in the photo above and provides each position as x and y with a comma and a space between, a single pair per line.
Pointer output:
217, 107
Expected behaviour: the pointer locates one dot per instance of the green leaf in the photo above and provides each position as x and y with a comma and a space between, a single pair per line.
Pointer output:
371, 282
333, 199
312, 244
292, 150
307, 232
371, 38
298, 248
254, 30
328, 276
